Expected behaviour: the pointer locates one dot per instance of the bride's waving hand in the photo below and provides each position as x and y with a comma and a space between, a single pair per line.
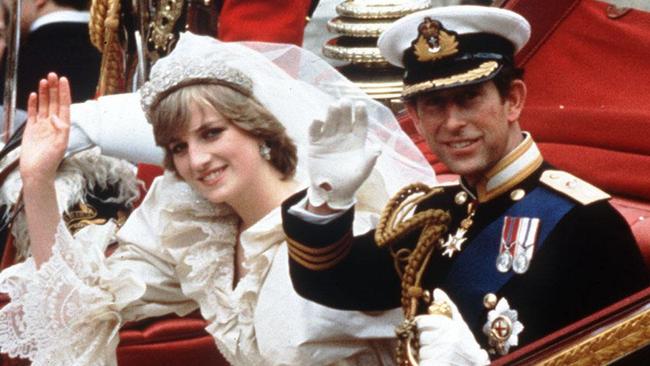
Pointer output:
48, 126
44, 143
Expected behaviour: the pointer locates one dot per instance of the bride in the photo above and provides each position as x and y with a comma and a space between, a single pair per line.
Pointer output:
233, 121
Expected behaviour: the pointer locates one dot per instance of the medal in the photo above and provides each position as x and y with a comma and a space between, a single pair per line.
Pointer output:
525, 247
520, 264
506, 247
518, 237
504, 262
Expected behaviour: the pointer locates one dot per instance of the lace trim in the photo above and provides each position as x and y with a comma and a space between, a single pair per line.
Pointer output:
59, 314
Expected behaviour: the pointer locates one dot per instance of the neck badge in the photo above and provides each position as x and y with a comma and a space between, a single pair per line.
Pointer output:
454, 242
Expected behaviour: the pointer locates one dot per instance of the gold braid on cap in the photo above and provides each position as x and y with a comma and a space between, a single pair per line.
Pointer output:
103, 28
393, 227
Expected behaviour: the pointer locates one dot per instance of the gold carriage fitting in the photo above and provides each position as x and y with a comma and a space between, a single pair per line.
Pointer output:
132, 36
358, 25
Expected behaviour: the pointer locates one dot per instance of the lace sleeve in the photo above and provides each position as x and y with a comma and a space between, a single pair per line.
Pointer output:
69, 311
65, 313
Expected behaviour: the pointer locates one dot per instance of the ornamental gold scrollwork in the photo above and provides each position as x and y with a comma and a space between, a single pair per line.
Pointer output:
611, 344
161, 28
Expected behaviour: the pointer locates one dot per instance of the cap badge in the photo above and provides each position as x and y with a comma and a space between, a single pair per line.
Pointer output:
433, 41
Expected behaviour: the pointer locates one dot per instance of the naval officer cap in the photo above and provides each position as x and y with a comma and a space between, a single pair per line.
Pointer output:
452, 46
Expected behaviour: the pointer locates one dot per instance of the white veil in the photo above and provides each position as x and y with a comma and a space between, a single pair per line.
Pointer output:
297, 87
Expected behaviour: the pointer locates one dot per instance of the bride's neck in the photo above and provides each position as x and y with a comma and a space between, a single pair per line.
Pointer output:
257, 202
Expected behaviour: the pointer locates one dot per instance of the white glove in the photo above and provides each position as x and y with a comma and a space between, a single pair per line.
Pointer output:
115, 123
445, 340
339, 161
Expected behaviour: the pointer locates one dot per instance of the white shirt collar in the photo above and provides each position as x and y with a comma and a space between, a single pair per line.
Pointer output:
71, 16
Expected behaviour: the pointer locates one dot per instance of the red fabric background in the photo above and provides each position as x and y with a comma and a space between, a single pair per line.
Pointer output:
589, 102
168, 340
263, 20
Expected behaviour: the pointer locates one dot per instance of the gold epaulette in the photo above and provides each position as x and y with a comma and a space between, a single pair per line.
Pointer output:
573, 187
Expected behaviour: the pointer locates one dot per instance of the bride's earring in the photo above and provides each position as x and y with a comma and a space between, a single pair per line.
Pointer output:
265, 151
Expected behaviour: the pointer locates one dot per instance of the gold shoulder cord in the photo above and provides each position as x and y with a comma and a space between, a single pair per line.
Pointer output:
393, 227
104, 27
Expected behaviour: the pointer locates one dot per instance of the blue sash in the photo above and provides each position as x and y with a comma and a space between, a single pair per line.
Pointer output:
473, 273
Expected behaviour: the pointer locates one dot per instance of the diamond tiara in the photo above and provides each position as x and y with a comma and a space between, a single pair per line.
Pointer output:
170, 74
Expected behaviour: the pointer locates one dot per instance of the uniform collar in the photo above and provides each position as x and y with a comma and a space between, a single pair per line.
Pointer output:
519, 164
70, 16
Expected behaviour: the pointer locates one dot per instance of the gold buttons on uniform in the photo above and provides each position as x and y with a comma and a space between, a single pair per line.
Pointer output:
517, 194
490, 301
461, 197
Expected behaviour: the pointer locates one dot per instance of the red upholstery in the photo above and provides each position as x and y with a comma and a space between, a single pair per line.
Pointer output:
146, 174
588, 103
587, 98
263, 20
168, 341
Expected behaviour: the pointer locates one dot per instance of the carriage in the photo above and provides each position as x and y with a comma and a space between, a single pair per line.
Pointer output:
587, 68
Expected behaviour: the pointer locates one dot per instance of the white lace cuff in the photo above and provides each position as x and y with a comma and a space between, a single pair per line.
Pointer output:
68, 311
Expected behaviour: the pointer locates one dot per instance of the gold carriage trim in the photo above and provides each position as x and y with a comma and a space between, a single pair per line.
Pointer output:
607, 346
482, 70
318, 259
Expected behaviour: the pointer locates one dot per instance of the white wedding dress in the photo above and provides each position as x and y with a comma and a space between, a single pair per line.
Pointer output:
176, 254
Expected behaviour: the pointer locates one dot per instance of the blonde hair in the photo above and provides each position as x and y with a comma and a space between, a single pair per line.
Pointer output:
171, 116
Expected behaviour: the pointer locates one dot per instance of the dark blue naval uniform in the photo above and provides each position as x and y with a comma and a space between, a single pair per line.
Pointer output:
585, 258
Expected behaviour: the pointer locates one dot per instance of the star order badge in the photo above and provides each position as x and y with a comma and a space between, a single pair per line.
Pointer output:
518, 237
502, 328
